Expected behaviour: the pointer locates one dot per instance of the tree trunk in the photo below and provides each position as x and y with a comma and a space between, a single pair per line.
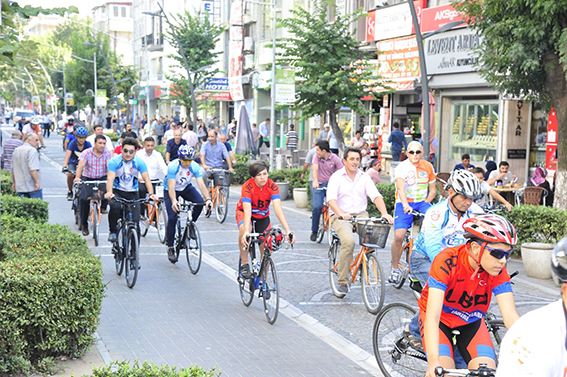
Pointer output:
557, 89
333, 114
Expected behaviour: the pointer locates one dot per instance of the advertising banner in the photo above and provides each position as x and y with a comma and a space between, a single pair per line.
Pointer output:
551, 150
451, 51
371, 26
100, 98
285, 86
434, 18
395, 21
398, 62
215, 89
235, 52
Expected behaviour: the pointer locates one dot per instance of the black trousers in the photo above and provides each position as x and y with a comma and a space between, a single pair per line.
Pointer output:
116, 209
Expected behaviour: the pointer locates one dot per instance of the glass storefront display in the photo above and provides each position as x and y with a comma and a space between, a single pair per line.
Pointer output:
538, 137
474, 130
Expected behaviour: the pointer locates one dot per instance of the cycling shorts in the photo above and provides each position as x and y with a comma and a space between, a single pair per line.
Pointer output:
403, 220
473, 340
258, 225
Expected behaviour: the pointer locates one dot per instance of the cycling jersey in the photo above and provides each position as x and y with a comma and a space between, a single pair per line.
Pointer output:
466, 300
441, 228
536, 345
259, 197
181, 175
417, 179
126, 172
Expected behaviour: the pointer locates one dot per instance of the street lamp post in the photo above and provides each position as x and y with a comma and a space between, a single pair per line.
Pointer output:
107, 66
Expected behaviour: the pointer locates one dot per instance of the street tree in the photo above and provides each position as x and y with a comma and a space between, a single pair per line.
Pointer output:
332, 72
198, 36
524, 54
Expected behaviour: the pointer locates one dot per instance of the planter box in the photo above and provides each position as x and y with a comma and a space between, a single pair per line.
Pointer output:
300, 197
537, 259
284, 189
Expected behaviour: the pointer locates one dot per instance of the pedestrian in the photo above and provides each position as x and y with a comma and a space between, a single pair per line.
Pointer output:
333, 142
25, 168
222, 139
256, 137
374, 170
398, 141
223, 128
173, 146
292, 138
159, 130
9, 146
325, 133
191, 137
264, 133
168, 135
98, 130
358, 141
137, 123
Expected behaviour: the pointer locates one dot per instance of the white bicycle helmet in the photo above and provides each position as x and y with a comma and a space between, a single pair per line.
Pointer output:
35, 120
559, 262
465, 183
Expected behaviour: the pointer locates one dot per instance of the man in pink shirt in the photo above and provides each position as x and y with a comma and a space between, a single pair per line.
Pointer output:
324, 164
346, 195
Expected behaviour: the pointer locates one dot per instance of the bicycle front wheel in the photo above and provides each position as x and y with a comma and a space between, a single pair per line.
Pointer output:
76, 211
246, 287
392, 351
334, 268
222, 204
372, 281
95, 220
321, 230
269, 291
161, 222
193, 249
118, 250
132, 258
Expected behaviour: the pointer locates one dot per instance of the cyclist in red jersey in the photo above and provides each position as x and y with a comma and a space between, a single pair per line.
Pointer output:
458, 294
253, 209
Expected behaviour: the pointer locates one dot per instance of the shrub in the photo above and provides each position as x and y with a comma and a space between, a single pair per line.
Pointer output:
241, 174
49, 306
388, 191
538, 223
6, 183
124, 369
161, 149
32, 209
113, 136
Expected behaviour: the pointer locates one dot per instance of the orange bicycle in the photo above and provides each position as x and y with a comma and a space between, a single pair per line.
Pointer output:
156, 214
219, 194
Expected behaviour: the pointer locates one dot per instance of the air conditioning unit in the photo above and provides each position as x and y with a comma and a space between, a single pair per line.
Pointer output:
248, 44
248, 61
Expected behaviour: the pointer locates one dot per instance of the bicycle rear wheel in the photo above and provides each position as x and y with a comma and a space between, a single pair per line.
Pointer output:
392, 351
222, 204
321, 230
132, 262
334, 268
269, 290
193, 249
95, 219
161, 222
145, 221
373, 287
76, 211
246, 287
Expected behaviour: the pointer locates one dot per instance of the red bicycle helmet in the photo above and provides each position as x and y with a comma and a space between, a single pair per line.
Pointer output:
490, 228
273, 239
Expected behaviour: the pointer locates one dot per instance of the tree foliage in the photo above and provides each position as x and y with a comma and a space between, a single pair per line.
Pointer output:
524, 54
198, 37
332, 72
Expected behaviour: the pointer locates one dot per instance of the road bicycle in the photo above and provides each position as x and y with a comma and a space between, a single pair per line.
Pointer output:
264, 278
93, 221
372, 234
156, 215
187, 237
324, 221
407, 249
392, 349
126, 248
219, 194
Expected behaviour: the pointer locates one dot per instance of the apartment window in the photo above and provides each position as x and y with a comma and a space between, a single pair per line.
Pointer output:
115, 11
124, 12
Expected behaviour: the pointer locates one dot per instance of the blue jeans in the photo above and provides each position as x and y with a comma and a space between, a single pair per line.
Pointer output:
396, 155
317, 201
38, 194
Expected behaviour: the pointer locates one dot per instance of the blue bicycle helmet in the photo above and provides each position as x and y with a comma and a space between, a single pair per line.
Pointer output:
187, 153
81, 132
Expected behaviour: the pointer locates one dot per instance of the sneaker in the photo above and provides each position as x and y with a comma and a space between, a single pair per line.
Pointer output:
313, 236
69, 195
85, 230
104, 211
171, 255
192, 233
245, 271
394, 277
112, 237
343, 289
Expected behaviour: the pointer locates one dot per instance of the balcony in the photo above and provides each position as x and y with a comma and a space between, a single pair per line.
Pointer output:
153, 42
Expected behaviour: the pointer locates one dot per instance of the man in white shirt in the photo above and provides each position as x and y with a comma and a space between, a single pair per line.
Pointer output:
264, 133
346, 195
502, 175
98, 131
191, 137
168, 135
157, 169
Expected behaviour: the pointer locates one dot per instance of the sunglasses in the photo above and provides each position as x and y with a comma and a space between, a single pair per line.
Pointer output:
129, 151
498, 253
415, 152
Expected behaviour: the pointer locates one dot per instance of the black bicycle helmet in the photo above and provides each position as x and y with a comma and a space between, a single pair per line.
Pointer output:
465, 183
559, 261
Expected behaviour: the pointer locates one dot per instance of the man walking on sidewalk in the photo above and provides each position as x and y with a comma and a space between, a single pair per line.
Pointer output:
25, 168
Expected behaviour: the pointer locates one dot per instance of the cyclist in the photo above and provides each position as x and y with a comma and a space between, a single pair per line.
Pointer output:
458, 294
69, 131
74, 150
33, 127
537, 343
415, 189
92, 166
213, 155
178, 183
253, 210
122, 181
346, 195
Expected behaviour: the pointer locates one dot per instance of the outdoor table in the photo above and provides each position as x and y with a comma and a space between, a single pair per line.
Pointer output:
509, 193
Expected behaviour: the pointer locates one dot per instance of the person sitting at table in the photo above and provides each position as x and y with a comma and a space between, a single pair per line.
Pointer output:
465, 163
486, 190
502, 175
490, 167
538, 179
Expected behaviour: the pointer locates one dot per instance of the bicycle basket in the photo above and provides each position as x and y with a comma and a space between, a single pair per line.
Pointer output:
373, 234
225, 178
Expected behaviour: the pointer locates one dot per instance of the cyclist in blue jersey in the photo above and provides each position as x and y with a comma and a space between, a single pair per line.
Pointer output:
178, 183
122, 181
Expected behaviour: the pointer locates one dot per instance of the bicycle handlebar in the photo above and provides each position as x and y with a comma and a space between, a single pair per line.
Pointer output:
482, 371
188, 205
417, 213
130, 201
355, 219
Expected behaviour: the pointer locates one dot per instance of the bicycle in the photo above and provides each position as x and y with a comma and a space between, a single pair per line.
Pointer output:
407, 249
264, 277
482, 371
93, 221
219, 194
392, 349
156, 214
126, 248
191, 245
371, 237
75, 204
324, 223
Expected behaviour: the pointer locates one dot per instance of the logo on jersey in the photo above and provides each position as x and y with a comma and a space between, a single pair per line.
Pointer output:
422, 174
410, 178
435, 215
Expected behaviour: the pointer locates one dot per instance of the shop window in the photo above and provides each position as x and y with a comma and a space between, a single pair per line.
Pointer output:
538, 137
474, 129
